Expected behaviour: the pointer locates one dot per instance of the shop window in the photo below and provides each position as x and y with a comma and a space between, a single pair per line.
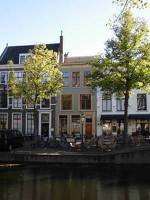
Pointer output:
63, 124
120, 127
66, 102
141, 102
75, 124
106, 102
142, 127
75, 79
107, 127
85, 101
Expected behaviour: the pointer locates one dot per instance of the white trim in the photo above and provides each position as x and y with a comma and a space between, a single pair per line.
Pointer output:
13, 103
23, 54
50, 114
26, 122
49, 104
13, 118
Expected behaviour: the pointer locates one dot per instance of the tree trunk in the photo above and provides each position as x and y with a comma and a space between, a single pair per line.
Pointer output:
35, 123
126, 103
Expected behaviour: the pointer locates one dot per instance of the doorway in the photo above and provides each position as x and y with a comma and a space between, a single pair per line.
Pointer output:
45, 124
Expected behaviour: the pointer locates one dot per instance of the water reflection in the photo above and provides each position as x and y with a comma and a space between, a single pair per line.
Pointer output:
78, 183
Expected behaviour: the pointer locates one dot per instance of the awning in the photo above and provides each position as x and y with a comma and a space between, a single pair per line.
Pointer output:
121, 117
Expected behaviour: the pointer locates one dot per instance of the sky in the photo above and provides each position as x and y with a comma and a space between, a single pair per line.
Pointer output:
83, 22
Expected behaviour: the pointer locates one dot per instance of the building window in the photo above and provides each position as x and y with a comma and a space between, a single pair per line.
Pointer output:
30, 123
3, 77
19, 76
85, 101
142, 127
66, 79
120, 104
45, 103
17, 102
22, 57
3, 99
106, 102
141, 102
3, 121
75, 79
63, 124
107, 127
86, 74
66, 102
75, 125
17, 122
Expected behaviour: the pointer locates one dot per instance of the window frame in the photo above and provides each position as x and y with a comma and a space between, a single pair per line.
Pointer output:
20, 98
145, 102
25, 55
2, 113
62, 104
18, 113
76, 78
120, 103
106, 99
68, 78
90, 102
31, 113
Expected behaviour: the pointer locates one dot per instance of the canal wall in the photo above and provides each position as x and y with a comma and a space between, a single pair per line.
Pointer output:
139, 155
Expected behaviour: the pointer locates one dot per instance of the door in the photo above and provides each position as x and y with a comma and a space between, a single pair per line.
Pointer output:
45, 124
88, 127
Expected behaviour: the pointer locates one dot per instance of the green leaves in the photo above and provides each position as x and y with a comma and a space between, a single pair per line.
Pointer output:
126, 63
42, 76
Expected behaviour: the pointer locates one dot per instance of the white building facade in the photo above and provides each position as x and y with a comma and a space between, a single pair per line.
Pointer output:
110, 113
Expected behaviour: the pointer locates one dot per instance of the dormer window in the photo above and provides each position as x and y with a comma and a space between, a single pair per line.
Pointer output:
23, 56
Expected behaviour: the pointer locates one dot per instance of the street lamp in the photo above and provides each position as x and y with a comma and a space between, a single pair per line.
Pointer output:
82, 123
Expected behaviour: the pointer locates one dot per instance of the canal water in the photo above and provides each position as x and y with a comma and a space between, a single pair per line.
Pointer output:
44, 182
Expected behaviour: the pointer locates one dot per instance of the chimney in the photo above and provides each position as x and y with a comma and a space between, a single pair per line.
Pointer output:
61, 49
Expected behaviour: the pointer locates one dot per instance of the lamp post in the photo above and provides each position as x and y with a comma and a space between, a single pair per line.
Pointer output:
82, 123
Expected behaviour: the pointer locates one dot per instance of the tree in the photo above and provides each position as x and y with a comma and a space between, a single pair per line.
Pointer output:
128, 4
125, 66
42, 78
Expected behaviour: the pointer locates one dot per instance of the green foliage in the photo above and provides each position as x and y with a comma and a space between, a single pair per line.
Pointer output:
125, 66
132, 3
42, 76
126, 63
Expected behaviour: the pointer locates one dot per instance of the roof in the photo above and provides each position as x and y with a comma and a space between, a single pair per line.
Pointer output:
12, 52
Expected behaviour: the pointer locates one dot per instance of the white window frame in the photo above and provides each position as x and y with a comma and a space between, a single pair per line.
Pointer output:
25, 55
49, 104
13, 98
15, 72
27, 120
6, 78
14, 113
